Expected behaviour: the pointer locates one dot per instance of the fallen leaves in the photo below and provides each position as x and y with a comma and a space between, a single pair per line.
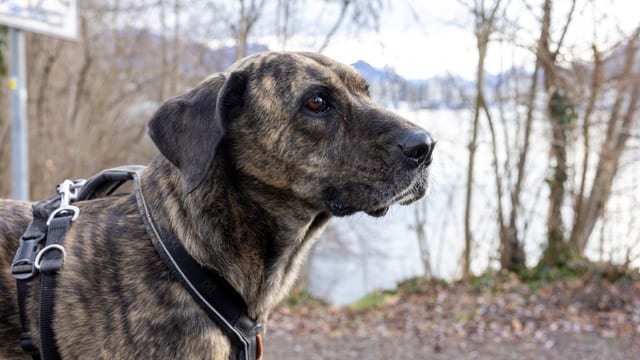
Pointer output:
504, 310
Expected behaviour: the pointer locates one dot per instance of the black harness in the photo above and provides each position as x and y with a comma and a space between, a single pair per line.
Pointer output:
41, 251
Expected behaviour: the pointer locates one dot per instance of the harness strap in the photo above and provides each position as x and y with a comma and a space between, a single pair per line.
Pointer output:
26, 342
23, 266
51, 259
41, 251
54, 215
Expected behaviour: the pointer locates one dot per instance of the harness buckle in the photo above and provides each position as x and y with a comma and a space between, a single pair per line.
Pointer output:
23, 265
68, 191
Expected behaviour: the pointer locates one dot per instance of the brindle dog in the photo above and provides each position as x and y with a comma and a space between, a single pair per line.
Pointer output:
253, 163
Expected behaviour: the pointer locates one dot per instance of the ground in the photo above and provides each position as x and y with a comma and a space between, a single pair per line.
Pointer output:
492, 317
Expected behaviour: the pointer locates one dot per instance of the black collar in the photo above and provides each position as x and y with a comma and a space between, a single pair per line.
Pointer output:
213, 293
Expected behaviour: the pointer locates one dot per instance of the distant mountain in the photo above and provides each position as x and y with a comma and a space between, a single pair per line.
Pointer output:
389, 88
375, 75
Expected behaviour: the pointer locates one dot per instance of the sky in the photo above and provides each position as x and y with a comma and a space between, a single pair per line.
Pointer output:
424, 38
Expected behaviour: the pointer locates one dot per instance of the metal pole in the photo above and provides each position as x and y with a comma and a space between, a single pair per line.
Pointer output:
19, 130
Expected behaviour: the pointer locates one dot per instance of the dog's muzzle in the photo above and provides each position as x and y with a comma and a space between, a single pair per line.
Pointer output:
407, 179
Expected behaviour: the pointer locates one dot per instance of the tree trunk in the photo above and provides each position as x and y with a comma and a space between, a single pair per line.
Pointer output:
241, 40
618, 131
560, 113
512, 256
248, 17
468, 234
484, 27
578, 208
420, 215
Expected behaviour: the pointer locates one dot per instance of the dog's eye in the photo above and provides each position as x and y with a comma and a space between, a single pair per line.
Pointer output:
316, 104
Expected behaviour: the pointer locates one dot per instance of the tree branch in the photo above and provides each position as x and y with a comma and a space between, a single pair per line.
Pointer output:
336, 25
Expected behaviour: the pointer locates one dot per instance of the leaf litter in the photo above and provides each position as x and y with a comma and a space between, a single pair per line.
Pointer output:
491, 317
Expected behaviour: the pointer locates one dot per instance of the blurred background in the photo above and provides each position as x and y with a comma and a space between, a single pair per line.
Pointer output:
534, 105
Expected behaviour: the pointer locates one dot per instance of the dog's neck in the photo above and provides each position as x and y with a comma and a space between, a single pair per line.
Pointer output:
250, 233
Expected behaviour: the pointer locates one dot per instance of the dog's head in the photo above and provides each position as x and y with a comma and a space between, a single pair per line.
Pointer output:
298, 122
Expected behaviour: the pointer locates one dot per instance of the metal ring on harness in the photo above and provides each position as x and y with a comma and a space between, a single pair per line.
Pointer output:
36, 263
74, 209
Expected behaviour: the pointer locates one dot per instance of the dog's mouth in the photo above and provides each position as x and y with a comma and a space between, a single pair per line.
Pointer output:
379, 212
353, 198
339, 208
413, 193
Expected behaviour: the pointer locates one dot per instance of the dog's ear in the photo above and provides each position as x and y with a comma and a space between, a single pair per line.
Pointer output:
187, 129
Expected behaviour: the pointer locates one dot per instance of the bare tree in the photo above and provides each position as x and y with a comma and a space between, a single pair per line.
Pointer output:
92, 97
512, 254
420, 215
595, 88
177, 44
560, 84
344, 6
250, 11
566, 97
589, 208
560, 113
484, 28
283, 20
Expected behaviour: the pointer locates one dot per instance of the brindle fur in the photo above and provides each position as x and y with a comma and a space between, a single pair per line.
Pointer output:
246, 179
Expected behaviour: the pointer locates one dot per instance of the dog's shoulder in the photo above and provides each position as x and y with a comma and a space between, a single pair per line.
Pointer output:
14, 219
108, 221
13, 210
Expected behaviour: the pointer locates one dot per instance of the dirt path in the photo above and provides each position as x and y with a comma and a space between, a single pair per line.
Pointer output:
501, 319
561, 346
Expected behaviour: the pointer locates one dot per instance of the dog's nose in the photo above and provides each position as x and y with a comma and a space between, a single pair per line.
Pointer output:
417, 146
